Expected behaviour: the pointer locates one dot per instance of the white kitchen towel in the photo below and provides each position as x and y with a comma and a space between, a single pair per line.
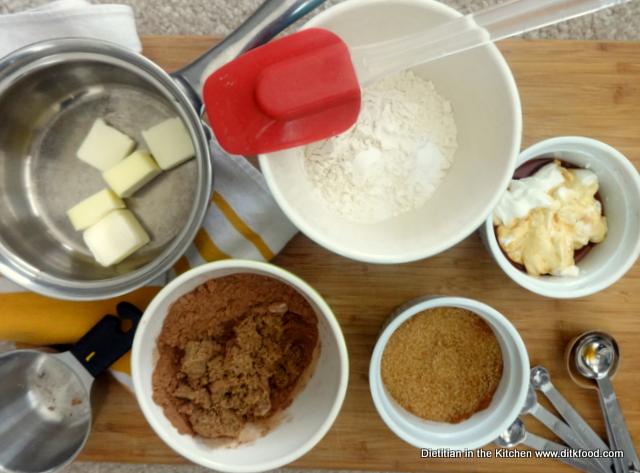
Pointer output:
243, 220
63, 18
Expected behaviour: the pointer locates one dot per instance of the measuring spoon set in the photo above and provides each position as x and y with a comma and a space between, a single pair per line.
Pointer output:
592, 356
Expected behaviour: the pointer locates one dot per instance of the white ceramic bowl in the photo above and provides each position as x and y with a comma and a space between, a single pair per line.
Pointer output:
620, 192
487, 111
305, 421
481, 428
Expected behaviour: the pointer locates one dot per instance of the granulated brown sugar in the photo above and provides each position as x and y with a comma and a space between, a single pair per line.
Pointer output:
443, 364
232, 352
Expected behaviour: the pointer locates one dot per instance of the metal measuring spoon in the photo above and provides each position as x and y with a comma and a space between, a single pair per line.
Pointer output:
541, 380
558, 427
516, 434
596, 356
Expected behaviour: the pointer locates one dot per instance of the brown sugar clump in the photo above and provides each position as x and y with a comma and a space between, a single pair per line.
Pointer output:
233, 352
443, 364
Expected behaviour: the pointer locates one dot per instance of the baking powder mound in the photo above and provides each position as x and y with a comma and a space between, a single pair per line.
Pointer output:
393, 159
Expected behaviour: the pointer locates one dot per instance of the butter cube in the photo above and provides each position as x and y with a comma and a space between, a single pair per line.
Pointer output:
93, 208
104, 146
169, 143
115, 237
132, 173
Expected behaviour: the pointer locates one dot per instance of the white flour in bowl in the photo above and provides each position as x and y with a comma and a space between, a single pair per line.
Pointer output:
393, 159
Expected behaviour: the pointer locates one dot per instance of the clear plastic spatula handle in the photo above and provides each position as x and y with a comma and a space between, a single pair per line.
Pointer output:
376, 60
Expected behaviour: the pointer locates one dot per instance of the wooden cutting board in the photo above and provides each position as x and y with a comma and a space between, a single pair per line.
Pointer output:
567, 88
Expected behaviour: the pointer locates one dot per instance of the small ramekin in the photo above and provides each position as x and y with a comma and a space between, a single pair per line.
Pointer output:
484, 426
620, 193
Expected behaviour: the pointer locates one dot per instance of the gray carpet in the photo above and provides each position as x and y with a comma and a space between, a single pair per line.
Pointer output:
200, 17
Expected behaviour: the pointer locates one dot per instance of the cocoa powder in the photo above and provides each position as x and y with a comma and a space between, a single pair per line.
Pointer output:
231, 353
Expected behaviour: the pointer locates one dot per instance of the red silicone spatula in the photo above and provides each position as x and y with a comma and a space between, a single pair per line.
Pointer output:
251, 113
306, 86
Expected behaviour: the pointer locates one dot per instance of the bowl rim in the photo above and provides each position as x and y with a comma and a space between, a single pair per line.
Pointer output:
145, 400
471, 225
410, 309
548, 288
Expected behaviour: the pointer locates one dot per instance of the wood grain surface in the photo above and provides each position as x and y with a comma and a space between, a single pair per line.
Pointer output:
567, 88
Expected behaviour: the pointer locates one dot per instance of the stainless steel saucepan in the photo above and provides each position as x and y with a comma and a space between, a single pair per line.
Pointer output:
50, 94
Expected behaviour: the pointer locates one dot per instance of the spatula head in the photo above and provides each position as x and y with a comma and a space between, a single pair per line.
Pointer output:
290, 92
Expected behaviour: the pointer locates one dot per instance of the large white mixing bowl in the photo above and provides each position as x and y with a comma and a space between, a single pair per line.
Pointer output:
304, 423
487, 111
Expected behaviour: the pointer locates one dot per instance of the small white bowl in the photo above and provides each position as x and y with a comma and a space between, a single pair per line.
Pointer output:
608, 261
305, 421
483, 427
487, 111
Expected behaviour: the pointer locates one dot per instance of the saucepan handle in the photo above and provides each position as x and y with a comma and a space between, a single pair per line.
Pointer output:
271, 18
108, 340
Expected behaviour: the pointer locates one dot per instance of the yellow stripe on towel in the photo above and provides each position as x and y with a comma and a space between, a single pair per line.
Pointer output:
37, 320
207, 248
242, 227
123, 364
182, 265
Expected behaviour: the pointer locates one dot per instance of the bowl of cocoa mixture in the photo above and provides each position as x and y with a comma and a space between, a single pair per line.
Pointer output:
239, 366
448, 373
